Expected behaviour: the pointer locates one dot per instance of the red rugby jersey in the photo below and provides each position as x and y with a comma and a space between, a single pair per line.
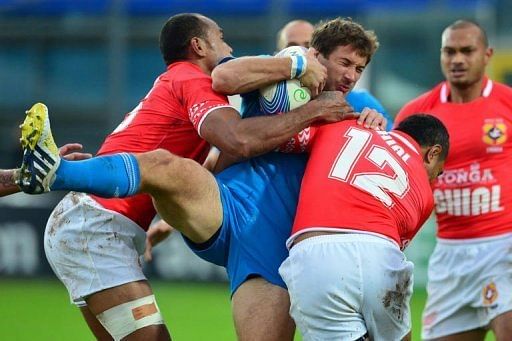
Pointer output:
169, 117
474, 194
361, 179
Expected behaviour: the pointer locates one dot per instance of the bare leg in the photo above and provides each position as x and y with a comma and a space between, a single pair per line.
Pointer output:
100, 333
471, 335
502, 326
261, 312
406, 337
185, 194
187, 197
106, 299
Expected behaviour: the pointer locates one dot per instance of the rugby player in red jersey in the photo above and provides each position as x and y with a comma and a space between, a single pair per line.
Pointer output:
470, 276
364, 195
183, 115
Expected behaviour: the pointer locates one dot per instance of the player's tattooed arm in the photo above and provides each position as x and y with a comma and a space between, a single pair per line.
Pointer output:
7, 184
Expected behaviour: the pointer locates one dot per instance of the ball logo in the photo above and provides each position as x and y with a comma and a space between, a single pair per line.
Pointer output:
300, 95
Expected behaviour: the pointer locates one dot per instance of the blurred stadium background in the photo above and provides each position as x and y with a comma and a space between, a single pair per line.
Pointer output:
91, 61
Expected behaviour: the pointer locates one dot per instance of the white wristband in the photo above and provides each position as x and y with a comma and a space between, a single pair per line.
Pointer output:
299, 66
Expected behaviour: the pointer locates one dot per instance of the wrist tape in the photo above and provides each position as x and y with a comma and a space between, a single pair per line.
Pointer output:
299, 66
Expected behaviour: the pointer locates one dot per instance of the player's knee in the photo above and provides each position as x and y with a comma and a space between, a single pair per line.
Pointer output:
158, 158
163, 162
125, 319
154, 166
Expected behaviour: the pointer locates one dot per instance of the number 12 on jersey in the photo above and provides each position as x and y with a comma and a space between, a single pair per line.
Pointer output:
376, 182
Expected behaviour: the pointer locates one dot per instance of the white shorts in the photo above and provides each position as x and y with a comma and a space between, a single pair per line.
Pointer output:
343, 286
469, 284
90, 248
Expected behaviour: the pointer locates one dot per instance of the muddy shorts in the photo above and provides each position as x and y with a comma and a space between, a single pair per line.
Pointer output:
343, 286
90, 248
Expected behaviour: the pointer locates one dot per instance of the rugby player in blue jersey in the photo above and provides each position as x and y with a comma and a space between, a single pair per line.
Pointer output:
258, 248
298, 33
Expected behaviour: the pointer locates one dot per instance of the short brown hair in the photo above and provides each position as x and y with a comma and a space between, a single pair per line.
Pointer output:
328, 35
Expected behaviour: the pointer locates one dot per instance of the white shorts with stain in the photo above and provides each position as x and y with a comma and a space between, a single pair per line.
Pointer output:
345, 285
91, 248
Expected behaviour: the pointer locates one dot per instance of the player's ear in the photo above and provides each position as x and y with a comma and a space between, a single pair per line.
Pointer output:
488, 54
198, 46
433, 153
313, 52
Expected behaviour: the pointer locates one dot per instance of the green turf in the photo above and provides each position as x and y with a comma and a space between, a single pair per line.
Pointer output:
40, 310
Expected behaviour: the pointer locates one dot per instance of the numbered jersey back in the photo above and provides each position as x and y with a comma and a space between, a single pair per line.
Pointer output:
361, 179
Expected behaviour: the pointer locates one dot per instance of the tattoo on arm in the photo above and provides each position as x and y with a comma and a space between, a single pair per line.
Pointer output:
7, 184
7, 177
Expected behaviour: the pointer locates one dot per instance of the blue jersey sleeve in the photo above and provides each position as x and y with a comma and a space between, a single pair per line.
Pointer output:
251, 105
225, 59
359, 99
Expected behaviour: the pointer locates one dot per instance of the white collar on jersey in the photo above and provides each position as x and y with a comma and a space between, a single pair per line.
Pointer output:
445, 90
405, 141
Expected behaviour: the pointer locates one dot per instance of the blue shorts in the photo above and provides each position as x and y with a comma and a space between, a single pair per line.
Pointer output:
259, 199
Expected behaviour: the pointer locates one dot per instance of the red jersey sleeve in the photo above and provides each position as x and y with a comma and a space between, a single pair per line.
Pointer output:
200, 100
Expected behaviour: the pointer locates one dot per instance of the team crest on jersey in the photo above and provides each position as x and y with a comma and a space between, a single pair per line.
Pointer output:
494, 135
489, 293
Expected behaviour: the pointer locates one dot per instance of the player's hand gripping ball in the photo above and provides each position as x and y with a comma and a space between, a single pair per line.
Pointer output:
285, 95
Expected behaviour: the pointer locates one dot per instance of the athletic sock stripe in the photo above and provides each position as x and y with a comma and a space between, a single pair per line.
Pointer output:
134, 174
130, 171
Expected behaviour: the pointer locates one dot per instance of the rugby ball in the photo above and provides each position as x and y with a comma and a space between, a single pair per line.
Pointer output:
285, 95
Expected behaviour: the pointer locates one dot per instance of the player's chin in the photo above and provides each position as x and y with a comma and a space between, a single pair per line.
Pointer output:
460, 81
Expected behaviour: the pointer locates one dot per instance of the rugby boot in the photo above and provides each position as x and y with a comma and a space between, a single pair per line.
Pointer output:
40, 153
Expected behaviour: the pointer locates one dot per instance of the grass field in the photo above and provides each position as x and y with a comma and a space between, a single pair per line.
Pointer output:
40, 310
